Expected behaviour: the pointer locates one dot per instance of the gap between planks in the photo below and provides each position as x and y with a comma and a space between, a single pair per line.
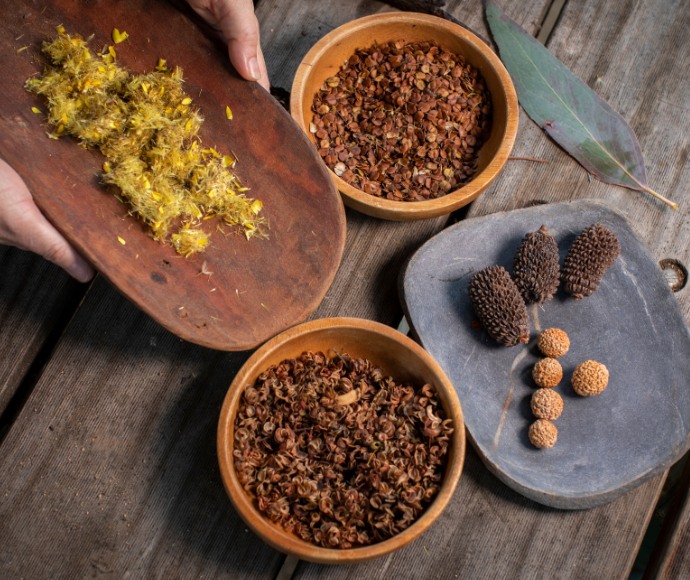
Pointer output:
33, 374
289, 566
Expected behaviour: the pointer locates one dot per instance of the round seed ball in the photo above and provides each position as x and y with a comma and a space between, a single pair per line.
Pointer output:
543, 434
547, 372
553, 342
590, 378
547, 404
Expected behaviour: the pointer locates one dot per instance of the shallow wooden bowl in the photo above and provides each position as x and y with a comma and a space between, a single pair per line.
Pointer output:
328, 55
400, 357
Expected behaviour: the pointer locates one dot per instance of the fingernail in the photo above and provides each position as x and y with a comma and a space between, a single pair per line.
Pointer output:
80, 271
254, 68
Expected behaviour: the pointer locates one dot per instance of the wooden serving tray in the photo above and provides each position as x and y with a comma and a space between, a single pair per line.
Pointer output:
607, 444
261, 286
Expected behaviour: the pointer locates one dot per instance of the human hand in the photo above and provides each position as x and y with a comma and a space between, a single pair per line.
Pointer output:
236, 20
23, 225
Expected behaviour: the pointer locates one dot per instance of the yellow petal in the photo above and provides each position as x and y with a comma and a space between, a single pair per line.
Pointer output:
227, 161
228, 112
188, 125
118, 36
119, 239
161, 65
35, 110
256, 206
186, 101
111, 50
60, 29
106, 167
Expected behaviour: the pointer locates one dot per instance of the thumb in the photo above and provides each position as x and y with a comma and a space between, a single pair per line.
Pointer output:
241, 29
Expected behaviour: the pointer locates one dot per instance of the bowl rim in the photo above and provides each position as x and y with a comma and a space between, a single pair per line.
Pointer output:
405, 210
289, 543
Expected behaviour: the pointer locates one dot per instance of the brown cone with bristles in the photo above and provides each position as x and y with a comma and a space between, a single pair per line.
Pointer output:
499, 305
535, 267
591, 254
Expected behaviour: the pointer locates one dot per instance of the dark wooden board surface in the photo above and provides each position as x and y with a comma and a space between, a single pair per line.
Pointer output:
35, 298
488, 530
281, 280
492, 532
607, 444
670, 559
150, 437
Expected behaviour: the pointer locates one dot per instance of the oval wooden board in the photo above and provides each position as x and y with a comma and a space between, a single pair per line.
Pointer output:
261, 286
607, 444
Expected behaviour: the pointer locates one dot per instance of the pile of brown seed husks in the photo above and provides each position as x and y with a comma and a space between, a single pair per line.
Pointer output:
336, 452
404, 122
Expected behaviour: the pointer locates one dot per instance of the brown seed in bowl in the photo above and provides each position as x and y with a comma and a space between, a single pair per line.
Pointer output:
590, 378
547, 372
547, 404
553, 342
338, 453
404, 122
543, 434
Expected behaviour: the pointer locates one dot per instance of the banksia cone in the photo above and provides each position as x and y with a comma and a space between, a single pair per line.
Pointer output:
535, 266
592, 252
499, 305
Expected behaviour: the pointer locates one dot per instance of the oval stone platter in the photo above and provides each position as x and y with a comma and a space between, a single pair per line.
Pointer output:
255, 288
607, 444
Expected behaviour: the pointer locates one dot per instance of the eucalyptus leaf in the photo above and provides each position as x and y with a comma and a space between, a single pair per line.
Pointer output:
569, 111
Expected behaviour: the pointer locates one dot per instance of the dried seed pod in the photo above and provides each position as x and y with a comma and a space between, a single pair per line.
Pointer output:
588, 258
543, 434
535, 266
590, 378
499, 305
336, 452
547, 373
553, 342
546, 404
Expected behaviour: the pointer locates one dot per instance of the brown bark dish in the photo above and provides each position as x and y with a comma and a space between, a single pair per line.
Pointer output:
256, 289
403, 121
338, 453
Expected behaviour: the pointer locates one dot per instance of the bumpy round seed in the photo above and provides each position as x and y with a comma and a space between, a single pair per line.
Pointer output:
547, 373
543, 434
553, 342
547, 404
590, 378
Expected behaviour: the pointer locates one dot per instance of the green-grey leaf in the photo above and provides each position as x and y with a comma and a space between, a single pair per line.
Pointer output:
567, 109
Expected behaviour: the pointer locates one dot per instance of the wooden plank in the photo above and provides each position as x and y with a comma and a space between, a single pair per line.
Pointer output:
122, 439
36, 297
670, 559
489, 531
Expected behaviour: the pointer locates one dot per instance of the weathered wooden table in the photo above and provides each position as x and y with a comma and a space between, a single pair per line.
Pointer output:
107, 457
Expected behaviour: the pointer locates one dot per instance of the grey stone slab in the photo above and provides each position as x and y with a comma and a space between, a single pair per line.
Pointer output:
607, 444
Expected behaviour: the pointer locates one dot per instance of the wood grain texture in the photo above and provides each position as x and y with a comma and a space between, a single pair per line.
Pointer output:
284, 277
327, 56
33, 295
670, 559
111, 468
150, 437
489, 531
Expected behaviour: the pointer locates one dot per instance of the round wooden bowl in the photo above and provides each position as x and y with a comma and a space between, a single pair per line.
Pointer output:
330, 53
401, 358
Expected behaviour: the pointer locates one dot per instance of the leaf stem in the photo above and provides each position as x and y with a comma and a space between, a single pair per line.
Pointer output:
668, 202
